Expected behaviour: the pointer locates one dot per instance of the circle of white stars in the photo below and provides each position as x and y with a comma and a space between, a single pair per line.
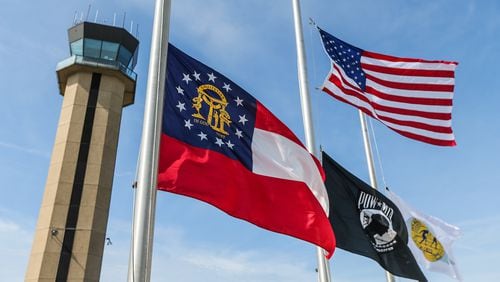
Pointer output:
196, 76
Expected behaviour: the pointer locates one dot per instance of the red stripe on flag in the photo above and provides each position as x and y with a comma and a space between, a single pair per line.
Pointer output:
363, 109
425, 139
279, 205
355, 93
408, 72
414, 124
399, 59
344, 80
433, 141
411, 86
441, 116
409, 100
267, 121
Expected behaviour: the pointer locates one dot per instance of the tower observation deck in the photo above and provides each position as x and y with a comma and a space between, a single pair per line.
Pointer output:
97, 80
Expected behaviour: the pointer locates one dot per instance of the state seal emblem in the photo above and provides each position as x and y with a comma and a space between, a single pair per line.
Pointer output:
210, 106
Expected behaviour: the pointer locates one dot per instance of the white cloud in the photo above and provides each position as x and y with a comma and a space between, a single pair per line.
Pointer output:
178, 259
225, 31
25, 149
15, 243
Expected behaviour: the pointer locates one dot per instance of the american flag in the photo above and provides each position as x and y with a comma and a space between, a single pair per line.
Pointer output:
411, 96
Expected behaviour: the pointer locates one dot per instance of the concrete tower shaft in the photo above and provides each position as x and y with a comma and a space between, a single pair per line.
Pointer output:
97, 81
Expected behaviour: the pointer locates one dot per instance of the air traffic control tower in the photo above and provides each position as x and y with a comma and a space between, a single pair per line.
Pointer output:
96, 82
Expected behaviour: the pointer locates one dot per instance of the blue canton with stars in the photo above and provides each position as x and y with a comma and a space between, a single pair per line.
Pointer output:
205, 109
346, 56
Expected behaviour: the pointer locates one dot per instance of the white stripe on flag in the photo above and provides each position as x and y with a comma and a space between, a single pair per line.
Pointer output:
412, 79
436, 122
383, 102
409, 93
408, 65
408, 106
359, 103
271, 151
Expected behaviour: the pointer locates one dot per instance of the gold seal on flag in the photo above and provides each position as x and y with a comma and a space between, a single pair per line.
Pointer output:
426, 241
215, 108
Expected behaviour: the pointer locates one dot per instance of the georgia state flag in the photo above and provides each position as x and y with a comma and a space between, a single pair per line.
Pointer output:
221, 146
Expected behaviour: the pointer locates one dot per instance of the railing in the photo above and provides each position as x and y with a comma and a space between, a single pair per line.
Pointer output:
96, 62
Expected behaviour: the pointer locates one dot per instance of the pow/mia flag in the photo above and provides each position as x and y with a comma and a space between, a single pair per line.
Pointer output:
367, 223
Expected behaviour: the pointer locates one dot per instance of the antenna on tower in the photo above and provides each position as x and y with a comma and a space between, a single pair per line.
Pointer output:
88, 12
114, 19
123, 23
137, 31
81, 17
131, 27
75, 17
96, 14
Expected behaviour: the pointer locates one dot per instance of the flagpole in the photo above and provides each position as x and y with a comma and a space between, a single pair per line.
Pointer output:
371, 168
145, 196
323, 266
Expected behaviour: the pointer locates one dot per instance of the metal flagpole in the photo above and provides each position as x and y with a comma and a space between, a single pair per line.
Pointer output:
371, 168
145, 197
323, 267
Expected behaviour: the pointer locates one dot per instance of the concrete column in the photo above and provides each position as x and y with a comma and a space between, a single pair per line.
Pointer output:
74, 153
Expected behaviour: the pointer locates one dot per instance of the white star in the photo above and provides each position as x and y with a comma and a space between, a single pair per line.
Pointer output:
196, 75
211, 77
181, 106
229, 144
239, 102
179, 90
243, 119
227, 87
188, 124
186, 78
219, 141
239, 133
202, 136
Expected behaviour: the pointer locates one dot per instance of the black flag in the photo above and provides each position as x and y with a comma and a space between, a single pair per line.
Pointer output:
367, 223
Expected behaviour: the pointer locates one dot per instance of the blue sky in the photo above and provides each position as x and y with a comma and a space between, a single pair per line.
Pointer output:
252, 42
